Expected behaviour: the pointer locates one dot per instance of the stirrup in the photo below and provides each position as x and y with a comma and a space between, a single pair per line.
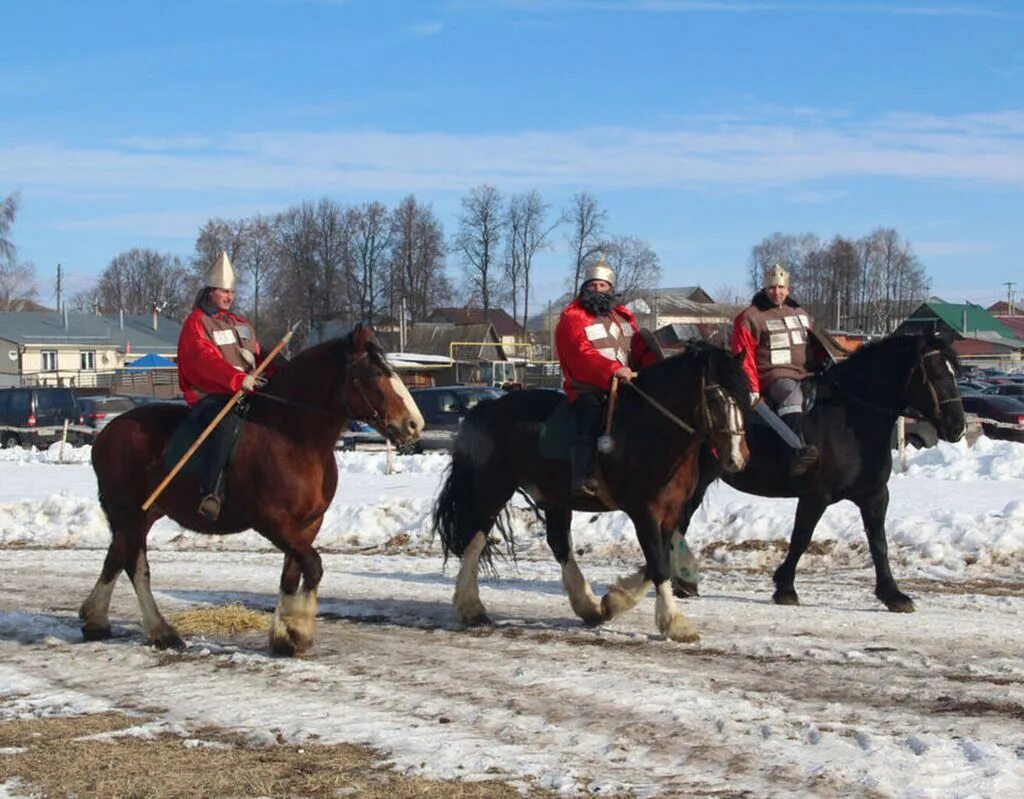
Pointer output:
209, 507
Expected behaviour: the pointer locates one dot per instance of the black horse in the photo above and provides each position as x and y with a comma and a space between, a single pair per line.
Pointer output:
658, 427
851, 422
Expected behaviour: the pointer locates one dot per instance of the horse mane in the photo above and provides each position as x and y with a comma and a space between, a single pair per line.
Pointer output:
866, 361
336, 349
722, 367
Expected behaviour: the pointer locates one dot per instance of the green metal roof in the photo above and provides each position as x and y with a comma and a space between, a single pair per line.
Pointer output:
952, 313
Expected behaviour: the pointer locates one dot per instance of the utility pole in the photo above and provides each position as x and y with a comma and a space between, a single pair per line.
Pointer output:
58, 289
1009, 296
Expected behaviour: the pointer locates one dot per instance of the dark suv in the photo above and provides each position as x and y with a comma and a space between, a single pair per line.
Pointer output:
443, 408
36, 416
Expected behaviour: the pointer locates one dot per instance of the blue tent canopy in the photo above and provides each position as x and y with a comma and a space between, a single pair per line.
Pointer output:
151, 361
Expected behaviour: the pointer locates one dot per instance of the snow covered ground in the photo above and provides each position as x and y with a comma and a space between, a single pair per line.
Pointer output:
834, 698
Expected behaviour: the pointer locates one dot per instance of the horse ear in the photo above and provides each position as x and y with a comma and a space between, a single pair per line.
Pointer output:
361, 337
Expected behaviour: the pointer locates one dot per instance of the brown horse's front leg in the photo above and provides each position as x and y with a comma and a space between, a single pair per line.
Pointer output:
294, 625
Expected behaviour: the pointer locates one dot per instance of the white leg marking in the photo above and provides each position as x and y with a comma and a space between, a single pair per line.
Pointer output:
624, 594
96, 608
466, 601
156, 626
670, 620
584, 603
294, 621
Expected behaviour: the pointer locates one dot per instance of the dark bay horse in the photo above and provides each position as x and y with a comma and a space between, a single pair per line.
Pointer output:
851, 423
280, 482
649, 474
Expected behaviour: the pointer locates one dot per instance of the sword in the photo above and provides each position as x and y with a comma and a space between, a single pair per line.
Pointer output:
775, 423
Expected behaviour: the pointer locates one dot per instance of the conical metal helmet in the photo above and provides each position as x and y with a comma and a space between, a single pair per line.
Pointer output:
221, 274
776, 275
599, 271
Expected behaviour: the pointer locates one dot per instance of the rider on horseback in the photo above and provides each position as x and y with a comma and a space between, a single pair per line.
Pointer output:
772, 335
595, 342
216, 351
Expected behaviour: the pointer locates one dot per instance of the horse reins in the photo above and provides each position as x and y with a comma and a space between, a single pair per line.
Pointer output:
705, 409
911, 413
350, 380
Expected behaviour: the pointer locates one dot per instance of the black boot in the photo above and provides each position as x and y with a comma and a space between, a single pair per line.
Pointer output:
807, 455
583, 458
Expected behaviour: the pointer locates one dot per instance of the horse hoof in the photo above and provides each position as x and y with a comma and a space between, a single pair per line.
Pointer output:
785, 598
290, 645
170, 640
682, 630
477, 620
682, 589
900, 604
96, 633
593, 619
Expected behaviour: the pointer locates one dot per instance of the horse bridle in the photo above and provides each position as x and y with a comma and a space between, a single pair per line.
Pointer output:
704, 412
912, 413
378, 420
929, 383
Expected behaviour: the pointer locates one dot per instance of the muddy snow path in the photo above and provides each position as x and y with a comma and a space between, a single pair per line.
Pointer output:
834, 698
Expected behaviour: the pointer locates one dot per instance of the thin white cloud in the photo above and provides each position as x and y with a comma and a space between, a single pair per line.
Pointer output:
426, 29
932, 248
739, 154
727, 6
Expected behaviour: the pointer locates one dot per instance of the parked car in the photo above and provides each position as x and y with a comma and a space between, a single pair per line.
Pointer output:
98, 411
968, 387
360, 435
36, 416
1006, 389
443, 409
999, 408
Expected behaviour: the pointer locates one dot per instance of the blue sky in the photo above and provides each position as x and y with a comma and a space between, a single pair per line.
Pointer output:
699, 126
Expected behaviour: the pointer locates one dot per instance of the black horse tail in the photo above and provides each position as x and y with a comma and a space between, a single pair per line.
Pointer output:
456, 519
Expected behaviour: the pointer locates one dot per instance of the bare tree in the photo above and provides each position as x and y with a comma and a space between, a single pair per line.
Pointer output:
480, 229
417, 260
217, 236
779, 248
896, 280
16, 279
296, 284
527, 232
258, 257
137, 279
370, 229
636, 265
586, 220
8, 212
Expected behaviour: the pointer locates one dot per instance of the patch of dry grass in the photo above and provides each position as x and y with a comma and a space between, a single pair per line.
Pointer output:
225, 620
57, 763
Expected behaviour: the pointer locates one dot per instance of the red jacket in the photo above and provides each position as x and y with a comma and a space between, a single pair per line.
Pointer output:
202, 367
580, 360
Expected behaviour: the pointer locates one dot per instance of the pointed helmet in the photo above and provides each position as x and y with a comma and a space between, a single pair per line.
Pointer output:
221, 275
776, 275
599, 271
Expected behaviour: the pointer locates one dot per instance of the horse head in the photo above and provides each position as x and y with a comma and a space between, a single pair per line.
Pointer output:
725, 401
931, 388
373, 393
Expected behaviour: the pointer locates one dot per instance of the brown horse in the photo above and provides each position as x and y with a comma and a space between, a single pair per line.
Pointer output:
659, 426
280, 482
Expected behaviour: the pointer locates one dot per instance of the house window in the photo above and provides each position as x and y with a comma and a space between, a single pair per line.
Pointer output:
49, 360
87, 360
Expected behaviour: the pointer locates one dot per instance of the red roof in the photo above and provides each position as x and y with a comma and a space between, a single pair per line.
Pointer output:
1015, 323
504, 324
973, 346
